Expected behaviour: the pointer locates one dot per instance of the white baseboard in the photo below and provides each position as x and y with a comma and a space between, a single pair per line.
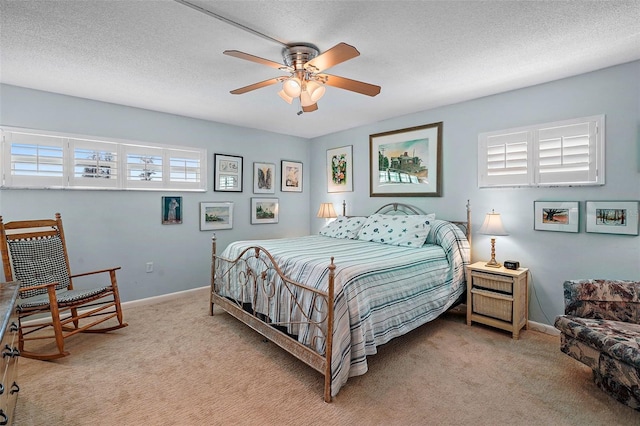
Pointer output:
544, 328
160, 298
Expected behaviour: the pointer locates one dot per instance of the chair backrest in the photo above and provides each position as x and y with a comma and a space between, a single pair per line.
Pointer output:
34, 252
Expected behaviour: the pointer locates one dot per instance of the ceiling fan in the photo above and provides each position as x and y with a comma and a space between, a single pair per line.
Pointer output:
306, 80
305, 65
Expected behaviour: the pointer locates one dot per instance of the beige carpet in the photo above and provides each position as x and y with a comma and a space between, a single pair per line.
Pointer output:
176, 365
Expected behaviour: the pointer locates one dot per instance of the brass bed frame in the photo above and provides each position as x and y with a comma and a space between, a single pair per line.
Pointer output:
262, 277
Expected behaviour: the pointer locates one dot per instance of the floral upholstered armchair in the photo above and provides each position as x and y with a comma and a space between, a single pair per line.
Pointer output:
601, 328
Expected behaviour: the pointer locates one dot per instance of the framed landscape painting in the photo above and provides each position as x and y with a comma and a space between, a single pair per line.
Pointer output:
216, 215
613, 217
340, 169
562, 216
291, 180
264, 210
406, 162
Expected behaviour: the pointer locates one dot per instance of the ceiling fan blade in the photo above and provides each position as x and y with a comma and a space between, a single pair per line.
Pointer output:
310, 108
352, 85
337, 54
255, 86
256, 59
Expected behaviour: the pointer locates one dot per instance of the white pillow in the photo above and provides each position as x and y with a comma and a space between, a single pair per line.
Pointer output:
343, 227
398, 230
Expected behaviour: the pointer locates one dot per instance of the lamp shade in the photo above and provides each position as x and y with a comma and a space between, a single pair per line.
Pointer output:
315, 90
326, 211
492, 225
288, 99
292, 87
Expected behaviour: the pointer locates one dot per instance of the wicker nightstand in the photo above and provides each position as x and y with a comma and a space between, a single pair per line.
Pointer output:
498, 297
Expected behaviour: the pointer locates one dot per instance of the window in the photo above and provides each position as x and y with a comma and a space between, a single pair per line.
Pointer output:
567, 153
34, 159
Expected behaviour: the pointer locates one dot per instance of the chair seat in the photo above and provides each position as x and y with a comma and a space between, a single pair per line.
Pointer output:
64, 297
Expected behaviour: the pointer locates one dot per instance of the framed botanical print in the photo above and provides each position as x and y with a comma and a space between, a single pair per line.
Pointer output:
291, 180
216, 215
406, 162
264, 178
264, 210
340, 169
227, 172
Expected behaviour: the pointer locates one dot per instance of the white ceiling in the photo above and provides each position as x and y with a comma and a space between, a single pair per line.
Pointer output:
164, 56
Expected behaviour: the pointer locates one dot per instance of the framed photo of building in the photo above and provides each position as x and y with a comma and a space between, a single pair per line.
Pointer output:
264, 210
171, 210
613, 217
216, 215
340, 169
406, 162
291, 180
227, 173
562, 216
264, 178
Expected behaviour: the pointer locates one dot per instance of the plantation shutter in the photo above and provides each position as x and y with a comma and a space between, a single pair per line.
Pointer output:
95, 164
33, 160
144, 167
567, 154
504, 159
185, 168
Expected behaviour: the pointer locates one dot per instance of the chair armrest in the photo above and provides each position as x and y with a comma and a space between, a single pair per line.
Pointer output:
38, 287
95, 272
617, 300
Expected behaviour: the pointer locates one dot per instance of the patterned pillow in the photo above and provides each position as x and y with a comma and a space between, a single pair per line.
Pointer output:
38, 262
398, 230
343, 227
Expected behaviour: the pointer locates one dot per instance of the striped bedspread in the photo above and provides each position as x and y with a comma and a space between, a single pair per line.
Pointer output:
381, 291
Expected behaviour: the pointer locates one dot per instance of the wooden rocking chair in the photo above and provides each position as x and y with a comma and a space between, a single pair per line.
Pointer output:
34, 252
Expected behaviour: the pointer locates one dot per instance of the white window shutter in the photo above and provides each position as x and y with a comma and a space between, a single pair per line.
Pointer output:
144, 167
185, 168
94, 164
33, 160
504, 159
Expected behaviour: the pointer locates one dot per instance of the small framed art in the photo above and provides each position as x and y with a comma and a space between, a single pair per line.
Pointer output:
340, 169
227, 173
613, 217
216, 215
561, 216
291, 176
264, 210
171, 210
264, 178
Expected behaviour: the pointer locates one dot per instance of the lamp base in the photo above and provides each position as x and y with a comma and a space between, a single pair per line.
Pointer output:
493, 264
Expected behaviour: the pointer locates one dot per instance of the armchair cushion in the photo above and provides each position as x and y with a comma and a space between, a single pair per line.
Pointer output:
39, 261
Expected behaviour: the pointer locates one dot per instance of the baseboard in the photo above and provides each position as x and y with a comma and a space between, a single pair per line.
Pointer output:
161, 298
544, 328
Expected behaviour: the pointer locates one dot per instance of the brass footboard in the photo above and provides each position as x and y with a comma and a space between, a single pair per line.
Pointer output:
253, 289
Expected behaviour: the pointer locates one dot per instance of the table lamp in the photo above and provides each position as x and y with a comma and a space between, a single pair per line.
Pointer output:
493, 226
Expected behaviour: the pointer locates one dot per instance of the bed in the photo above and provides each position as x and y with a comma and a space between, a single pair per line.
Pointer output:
331, 299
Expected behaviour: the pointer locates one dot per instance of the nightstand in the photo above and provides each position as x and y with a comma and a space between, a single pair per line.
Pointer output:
498, 297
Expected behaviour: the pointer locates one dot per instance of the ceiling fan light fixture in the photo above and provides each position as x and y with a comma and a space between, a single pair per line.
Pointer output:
292, 87
315, 90
305, 99
288, 99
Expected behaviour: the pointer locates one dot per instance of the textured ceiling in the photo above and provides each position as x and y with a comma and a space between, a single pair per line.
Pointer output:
164, 56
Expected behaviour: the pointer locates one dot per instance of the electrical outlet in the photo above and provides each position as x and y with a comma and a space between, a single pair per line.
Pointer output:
149, 266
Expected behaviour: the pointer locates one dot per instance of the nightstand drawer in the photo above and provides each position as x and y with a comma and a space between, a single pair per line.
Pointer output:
492, 304
493, 282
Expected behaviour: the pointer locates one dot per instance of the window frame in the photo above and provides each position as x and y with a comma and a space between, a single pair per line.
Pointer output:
589, 173
69, 143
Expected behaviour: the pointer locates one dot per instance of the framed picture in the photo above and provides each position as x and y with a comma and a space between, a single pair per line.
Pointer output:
562, 216
227, 172
340, 169
264, 210
613, 217
291, 176
216, 215
264, 178
171, 210
406, 162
